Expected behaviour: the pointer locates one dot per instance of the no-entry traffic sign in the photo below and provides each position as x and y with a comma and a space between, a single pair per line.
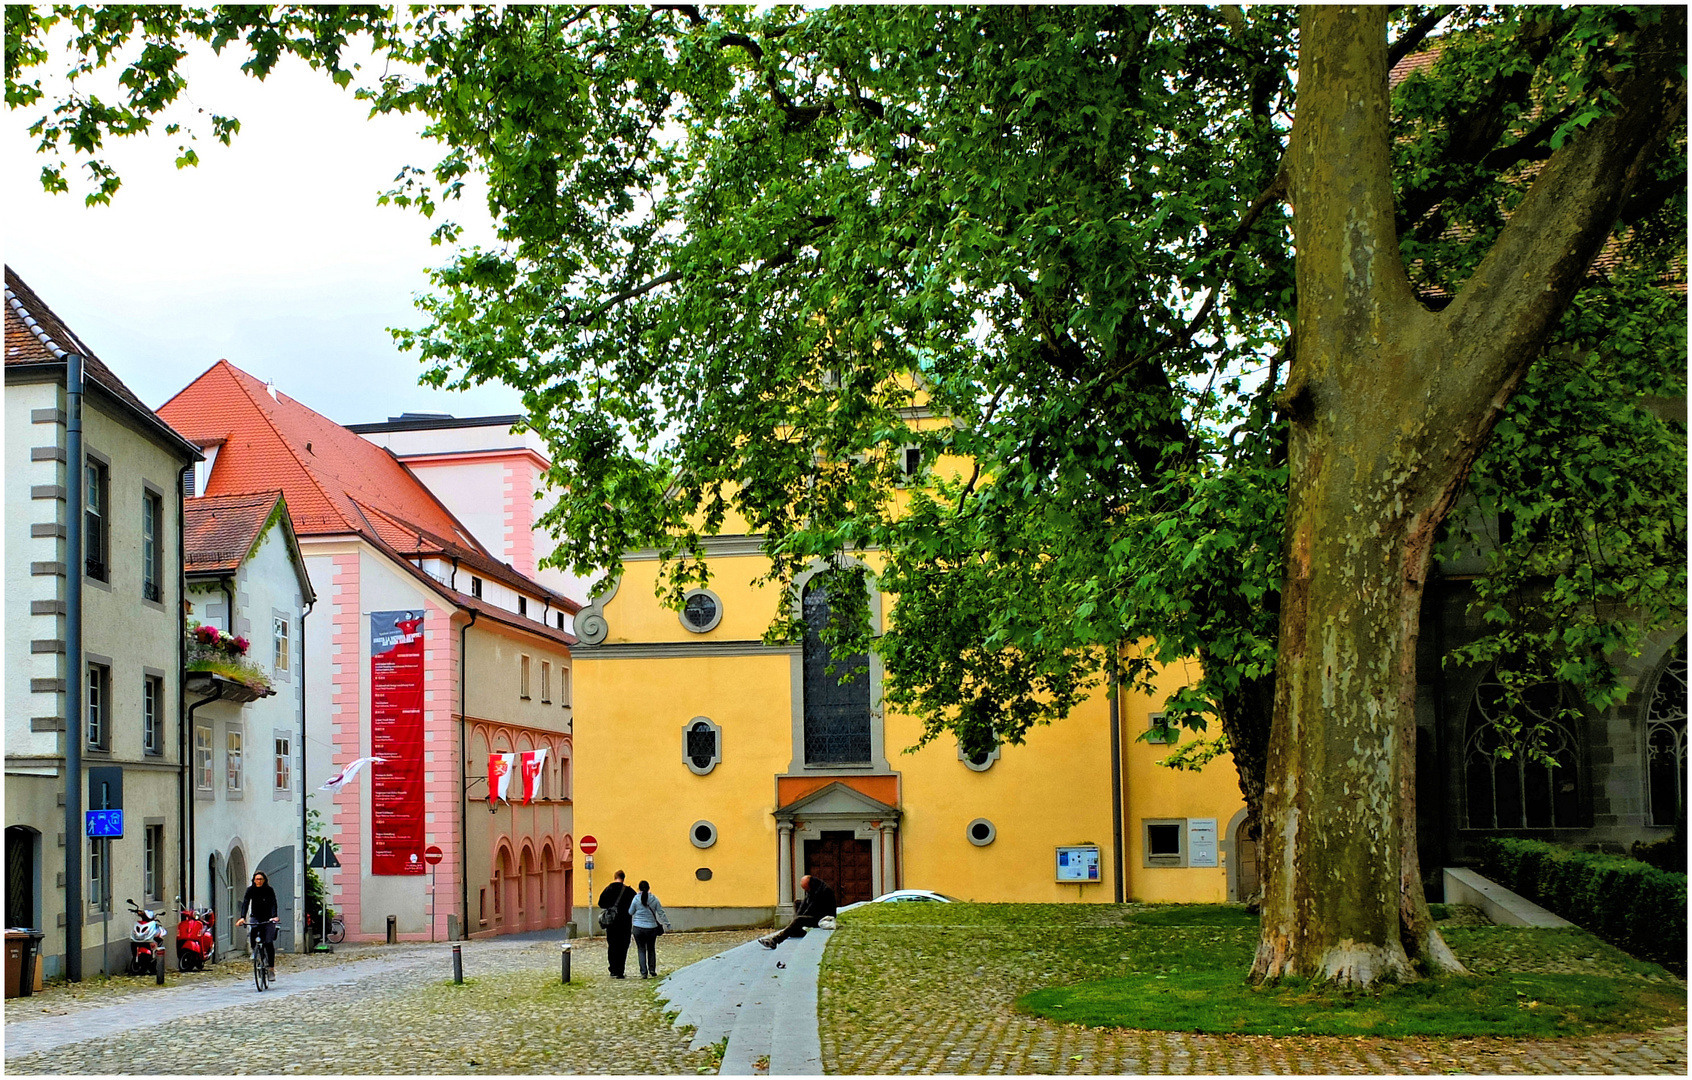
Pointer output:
588, 845
433, 855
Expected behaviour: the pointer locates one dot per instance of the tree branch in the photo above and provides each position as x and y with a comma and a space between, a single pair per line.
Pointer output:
1424, 26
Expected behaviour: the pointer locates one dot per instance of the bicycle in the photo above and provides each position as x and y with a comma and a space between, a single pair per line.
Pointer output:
337, 928
261, 965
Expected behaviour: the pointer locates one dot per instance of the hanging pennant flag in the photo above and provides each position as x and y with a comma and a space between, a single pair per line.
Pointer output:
500, 767
532, 761
345, 776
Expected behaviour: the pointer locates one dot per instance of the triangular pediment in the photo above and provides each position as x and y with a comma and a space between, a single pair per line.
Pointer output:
838, 798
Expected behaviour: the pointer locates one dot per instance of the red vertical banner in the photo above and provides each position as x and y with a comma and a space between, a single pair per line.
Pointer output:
396, 736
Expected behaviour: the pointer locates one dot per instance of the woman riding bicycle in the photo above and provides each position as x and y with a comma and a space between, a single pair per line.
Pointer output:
259, 902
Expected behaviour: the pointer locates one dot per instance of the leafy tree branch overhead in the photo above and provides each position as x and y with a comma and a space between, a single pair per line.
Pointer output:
738, 245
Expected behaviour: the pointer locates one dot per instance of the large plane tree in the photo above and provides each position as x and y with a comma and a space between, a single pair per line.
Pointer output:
1223, 322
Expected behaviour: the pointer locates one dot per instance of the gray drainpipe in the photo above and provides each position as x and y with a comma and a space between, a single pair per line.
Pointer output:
227, 584
185, 858
74, 669
463, 780
1116, 770
193, 852
305, 792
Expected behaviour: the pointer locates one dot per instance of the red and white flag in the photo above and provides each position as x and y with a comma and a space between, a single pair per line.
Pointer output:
500, 767
348, 771
532, 761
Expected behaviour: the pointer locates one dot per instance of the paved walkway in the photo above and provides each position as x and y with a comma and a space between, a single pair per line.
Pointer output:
764, 1002
128, 1013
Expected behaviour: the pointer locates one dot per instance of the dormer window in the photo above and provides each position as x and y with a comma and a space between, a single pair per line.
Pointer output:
476, 587
522, 605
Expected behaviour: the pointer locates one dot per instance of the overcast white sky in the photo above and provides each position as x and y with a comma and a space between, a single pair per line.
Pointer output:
271, 253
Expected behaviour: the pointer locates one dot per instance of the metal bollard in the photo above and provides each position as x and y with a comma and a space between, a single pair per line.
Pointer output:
458, 965
393, 929
565, 949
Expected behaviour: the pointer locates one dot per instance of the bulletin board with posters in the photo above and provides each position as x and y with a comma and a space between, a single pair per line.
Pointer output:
1078, 864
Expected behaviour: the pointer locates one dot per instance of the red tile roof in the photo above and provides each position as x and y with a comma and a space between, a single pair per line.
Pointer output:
335, 482
219, 530
37, 338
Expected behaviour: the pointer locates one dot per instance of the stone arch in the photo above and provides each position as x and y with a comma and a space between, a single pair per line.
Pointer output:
1240, 849
502, 884
1662, 712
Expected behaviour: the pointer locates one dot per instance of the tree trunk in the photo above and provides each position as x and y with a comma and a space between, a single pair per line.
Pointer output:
1389, 405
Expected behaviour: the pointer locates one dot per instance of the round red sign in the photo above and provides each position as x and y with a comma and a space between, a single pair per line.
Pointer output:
588, 845
433, 855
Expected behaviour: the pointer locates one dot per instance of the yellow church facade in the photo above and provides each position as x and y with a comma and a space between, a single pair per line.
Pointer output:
721, 770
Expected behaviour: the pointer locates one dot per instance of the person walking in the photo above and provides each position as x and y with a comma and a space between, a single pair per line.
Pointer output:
617, 897
649, 921
818, 904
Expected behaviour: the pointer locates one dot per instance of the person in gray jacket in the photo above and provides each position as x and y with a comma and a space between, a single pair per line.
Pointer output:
649, 922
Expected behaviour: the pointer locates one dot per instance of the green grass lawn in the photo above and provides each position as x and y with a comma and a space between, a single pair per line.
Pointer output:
1182, 968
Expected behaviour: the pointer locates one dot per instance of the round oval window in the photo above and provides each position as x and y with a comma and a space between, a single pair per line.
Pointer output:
703, 834
981, 832
700, 611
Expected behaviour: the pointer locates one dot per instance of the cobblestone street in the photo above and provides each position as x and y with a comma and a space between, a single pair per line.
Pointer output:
400, 1013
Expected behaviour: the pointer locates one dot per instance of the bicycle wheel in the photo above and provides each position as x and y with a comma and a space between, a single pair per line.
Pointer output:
337, 931
258, 968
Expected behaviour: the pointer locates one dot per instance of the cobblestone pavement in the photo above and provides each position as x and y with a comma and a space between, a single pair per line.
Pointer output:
61, 998
401, 1013
927, 999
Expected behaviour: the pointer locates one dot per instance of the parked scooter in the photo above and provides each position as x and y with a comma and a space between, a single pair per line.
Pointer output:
146, 942
195, 945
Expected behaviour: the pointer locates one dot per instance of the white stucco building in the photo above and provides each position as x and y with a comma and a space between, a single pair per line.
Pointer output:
246, 577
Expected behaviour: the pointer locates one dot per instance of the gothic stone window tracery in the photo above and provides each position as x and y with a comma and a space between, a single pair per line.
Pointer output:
1507, 787
1665, 740
837, 714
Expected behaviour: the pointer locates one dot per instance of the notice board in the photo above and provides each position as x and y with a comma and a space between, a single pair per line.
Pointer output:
1078, 864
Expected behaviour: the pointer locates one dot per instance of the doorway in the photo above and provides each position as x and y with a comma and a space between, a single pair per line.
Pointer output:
1245, 858
21, 876
845, 862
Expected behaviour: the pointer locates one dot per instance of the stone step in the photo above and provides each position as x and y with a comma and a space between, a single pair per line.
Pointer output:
766, 1012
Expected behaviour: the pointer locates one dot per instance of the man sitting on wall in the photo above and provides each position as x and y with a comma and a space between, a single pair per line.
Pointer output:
818, 904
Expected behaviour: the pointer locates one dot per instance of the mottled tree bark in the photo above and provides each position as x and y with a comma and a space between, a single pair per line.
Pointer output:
1390, 403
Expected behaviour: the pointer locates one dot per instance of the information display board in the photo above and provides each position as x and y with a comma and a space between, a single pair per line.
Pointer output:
1078, 864
396, 736
1201, 841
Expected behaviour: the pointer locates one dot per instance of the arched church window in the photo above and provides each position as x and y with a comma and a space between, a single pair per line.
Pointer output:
1665, 740
1509, 787
837, 714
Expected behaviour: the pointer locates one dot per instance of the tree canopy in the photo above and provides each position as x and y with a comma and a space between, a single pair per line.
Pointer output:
741, 250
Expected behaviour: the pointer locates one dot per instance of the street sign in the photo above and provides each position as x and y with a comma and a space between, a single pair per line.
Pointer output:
105, 824
587, 863
433, 855
325, 858
588, 844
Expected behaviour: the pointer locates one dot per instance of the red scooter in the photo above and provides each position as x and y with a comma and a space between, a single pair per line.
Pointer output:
196, 946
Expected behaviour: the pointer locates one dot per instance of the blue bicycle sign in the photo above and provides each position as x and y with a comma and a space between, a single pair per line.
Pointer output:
105, 824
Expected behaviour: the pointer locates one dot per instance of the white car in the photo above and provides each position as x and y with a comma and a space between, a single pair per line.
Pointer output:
907, 896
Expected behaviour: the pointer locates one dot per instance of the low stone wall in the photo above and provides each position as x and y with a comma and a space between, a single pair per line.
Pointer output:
1502, 906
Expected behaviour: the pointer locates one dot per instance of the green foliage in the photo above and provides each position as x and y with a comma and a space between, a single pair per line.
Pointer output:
742, 251
1637, 906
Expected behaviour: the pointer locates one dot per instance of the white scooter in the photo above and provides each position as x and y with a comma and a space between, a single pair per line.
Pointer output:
146, 943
